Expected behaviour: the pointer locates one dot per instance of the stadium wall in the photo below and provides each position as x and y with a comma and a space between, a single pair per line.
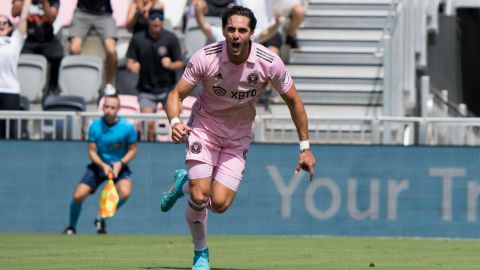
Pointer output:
357, 191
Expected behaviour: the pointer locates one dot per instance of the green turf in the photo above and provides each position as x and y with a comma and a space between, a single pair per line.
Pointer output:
84, 251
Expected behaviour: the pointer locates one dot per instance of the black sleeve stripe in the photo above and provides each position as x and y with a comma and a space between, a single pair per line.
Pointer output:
213, 49
270, 60
265, 54
213, 52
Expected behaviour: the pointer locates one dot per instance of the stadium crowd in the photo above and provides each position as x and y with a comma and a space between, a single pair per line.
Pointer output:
130, 32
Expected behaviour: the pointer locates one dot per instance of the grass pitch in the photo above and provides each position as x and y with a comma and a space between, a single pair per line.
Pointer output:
88, 251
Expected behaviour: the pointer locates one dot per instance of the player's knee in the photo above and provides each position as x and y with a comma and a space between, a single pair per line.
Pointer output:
78, 197
298, 11
219, 207
75, 47
124, 193
74, 50
199, 197
110, 50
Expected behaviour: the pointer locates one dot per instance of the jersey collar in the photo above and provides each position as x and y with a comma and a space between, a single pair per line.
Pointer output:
251, 57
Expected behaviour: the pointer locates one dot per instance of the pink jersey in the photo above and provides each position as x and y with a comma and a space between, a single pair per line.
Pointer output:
226, 104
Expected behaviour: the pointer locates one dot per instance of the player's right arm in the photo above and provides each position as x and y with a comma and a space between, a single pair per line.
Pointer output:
16, 7
93, 155
174, 108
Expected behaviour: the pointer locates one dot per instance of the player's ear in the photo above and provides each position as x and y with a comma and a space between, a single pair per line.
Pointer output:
224, 32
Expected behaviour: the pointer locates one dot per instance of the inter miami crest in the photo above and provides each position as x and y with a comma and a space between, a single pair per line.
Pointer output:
196, 147
252, 78
162, 51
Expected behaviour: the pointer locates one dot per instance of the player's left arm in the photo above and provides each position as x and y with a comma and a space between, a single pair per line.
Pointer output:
117, 166
306, 159
50, 10
131, 140
132, 152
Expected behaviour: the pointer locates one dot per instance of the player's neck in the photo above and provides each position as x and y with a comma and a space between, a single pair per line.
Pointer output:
155, 34
110, 120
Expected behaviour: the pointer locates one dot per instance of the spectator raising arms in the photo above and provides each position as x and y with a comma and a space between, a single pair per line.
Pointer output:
295, 12
137, 16
41, 39
11, 43
214, 8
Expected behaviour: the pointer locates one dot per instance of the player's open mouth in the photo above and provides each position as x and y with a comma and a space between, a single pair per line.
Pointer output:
236, 45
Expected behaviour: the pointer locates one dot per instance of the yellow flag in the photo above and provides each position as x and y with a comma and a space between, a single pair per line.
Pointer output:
108, 199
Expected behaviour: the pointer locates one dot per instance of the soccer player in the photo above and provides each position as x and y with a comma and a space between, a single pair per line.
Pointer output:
112, 143
234, 74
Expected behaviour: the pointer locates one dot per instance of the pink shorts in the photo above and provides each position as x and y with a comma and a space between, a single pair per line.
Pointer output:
222, 159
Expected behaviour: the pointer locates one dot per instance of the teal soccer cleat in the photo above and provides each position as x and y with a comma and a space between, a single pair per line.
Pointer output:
175, 192
200, 260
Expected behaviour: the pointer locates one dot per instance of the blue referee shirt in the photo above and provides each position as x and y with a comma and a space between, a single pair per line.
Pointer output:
112, 140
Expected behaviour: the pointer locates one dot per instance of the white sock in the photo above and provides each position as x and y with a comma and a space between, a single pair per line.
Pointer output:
197, 219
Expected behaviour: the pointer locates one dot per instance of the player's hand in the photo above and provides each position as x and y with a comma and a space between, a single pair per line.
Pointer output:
117, 167
306, 162
166, 62
107, 169
180, 132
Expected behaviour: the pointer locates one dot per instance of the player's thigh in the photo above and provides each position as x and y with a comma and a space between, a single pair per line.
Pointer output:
147, 102
124, 187
81, 24
231, 161
81, 192
199, 175
221, 197
106, 27
124, 182
110, 45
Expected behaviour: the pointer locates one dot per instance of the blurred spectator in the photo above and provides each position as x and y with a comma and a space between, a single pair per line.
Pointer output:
212, 32
268, 23
11, 43
295, 11
154, 55
214, 8
137, 17
96, 14
41, 39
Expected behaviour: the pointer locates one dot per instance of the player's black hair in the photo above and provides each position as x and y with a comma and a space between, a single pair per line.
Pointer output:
114, 96
241, 11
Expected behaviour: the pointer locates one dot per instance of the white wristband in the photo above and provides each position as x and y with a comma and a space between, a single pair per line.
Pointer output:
174, 121
304, 145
